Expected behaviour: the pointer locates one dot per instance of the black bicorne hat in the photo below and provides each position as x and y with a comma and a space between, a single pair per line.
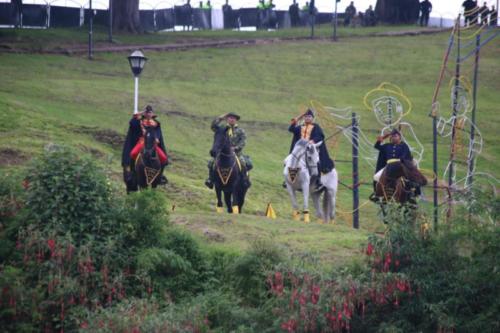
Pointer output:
309, 112
395, 131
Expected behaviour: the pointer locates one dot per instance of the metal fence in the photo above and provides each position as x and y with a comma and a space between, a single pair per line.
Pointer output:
50, 16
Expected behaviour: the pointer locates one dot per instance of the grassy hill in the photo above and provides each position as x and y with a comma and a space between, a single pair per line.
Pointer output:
87, 104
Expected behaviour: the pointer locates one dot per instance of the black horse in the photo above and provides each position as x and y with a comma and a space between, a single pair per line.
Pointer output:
146, 170
228, 175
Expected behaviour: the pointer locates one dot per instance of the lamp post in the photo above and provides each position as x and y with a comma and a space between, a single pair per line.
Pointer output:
137, 60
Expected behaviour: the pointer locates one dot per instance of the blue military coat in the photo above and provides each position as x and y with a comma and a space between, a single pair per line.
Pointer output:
389, 151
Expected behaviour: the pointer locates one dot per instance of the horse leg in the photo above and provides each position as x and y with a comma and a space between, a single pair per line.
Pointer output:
241, 197
331, 181
293, 197
316, 197
236, 198
220, 207
227, 199
305, 192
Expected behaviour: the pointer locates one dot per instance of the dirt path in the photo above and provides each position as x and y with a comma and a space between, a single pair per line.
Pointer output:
187, 44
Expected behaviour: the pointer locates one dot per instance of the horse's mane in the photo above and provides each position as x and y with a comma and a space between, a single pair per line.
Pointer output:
300, 144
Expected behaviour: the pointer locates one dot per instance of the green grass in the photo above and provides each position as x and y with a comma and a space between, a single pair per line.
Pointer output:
55, 98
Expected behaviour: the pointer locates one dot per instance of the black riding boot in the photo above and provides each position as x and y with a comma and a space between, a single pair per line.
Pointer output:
246, 179
373, 196
210, 180
163, 178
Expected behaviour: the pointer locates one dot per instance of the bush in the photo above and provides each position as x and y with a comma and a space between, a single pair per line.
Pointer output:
69, 255
68, 193
250, 271
145, 218
413, 281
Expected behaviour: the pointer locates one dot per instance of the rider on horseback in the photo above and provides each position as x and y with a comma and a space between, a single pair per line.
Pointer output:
392, 152
135, 139
237, 137
311, 132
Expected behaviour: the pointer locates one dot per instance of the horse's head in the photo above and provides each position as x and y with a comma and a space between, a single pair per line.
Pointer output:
221, 143
312, 157
307, 152
412, 173
149, 150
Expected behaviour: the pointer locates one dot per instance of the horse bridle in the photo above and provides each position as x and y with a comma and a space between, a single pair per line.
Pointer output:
300, 156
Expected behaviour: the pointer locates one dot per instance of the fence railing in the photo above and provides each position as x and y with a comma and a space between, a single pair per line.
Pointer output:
54, 15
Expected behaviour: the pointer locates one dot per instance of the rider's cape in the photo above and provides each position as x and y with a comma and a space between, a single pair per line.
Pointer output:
325, 162
133, 135
389, 151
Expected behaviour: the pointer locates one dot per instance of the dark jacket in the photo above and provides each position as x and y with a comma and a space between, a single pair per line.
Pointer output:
388, 151
325, 162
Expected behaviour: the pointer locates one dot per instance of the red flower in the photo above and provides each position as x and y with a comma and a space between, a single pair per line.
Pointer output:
369, 249
315, 294
52, 245
289, 326
302, 299
84, 325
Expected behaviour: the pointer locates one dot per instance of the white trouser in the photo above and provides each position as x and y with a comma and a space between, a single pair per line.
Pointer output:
376, 177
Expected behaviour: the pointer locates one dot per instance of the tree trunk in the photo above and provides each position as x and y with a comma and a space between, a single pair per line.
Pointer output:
126, 16
397, 11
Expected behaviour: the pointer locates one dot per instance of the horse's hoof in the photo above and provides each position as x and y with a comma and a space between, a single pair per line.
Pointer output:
219, 210
321, 221
236, 210
307, 218
296, 215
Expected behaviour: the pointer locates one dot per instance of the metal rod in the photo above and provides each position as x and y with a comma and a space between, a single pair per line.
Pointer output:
473, 117
433, 114
91, 18
136, 94
311, 16
355, 180
435, 170
455, 109
335, 23
110, 21
485, 41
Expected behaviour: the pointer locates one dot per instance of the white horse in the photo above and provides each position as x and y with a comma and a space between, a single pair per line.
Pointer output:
301, 173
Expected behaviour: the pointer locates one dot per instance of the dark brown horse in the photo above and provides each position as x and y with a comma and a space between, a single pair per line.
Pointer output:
400, 182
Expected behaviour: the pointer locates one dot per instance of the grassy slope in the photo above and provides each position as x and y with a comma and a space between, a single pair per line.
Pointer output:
49, 98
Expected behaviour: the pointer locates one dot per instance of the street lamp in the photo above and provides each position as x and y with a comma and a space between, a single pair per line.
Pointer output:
137, 61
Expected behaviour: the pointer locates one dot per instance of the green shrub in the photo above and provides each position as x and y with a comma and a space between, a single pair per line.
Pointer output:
251, 269
145, 218
177, 265
69, 193
11, 204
